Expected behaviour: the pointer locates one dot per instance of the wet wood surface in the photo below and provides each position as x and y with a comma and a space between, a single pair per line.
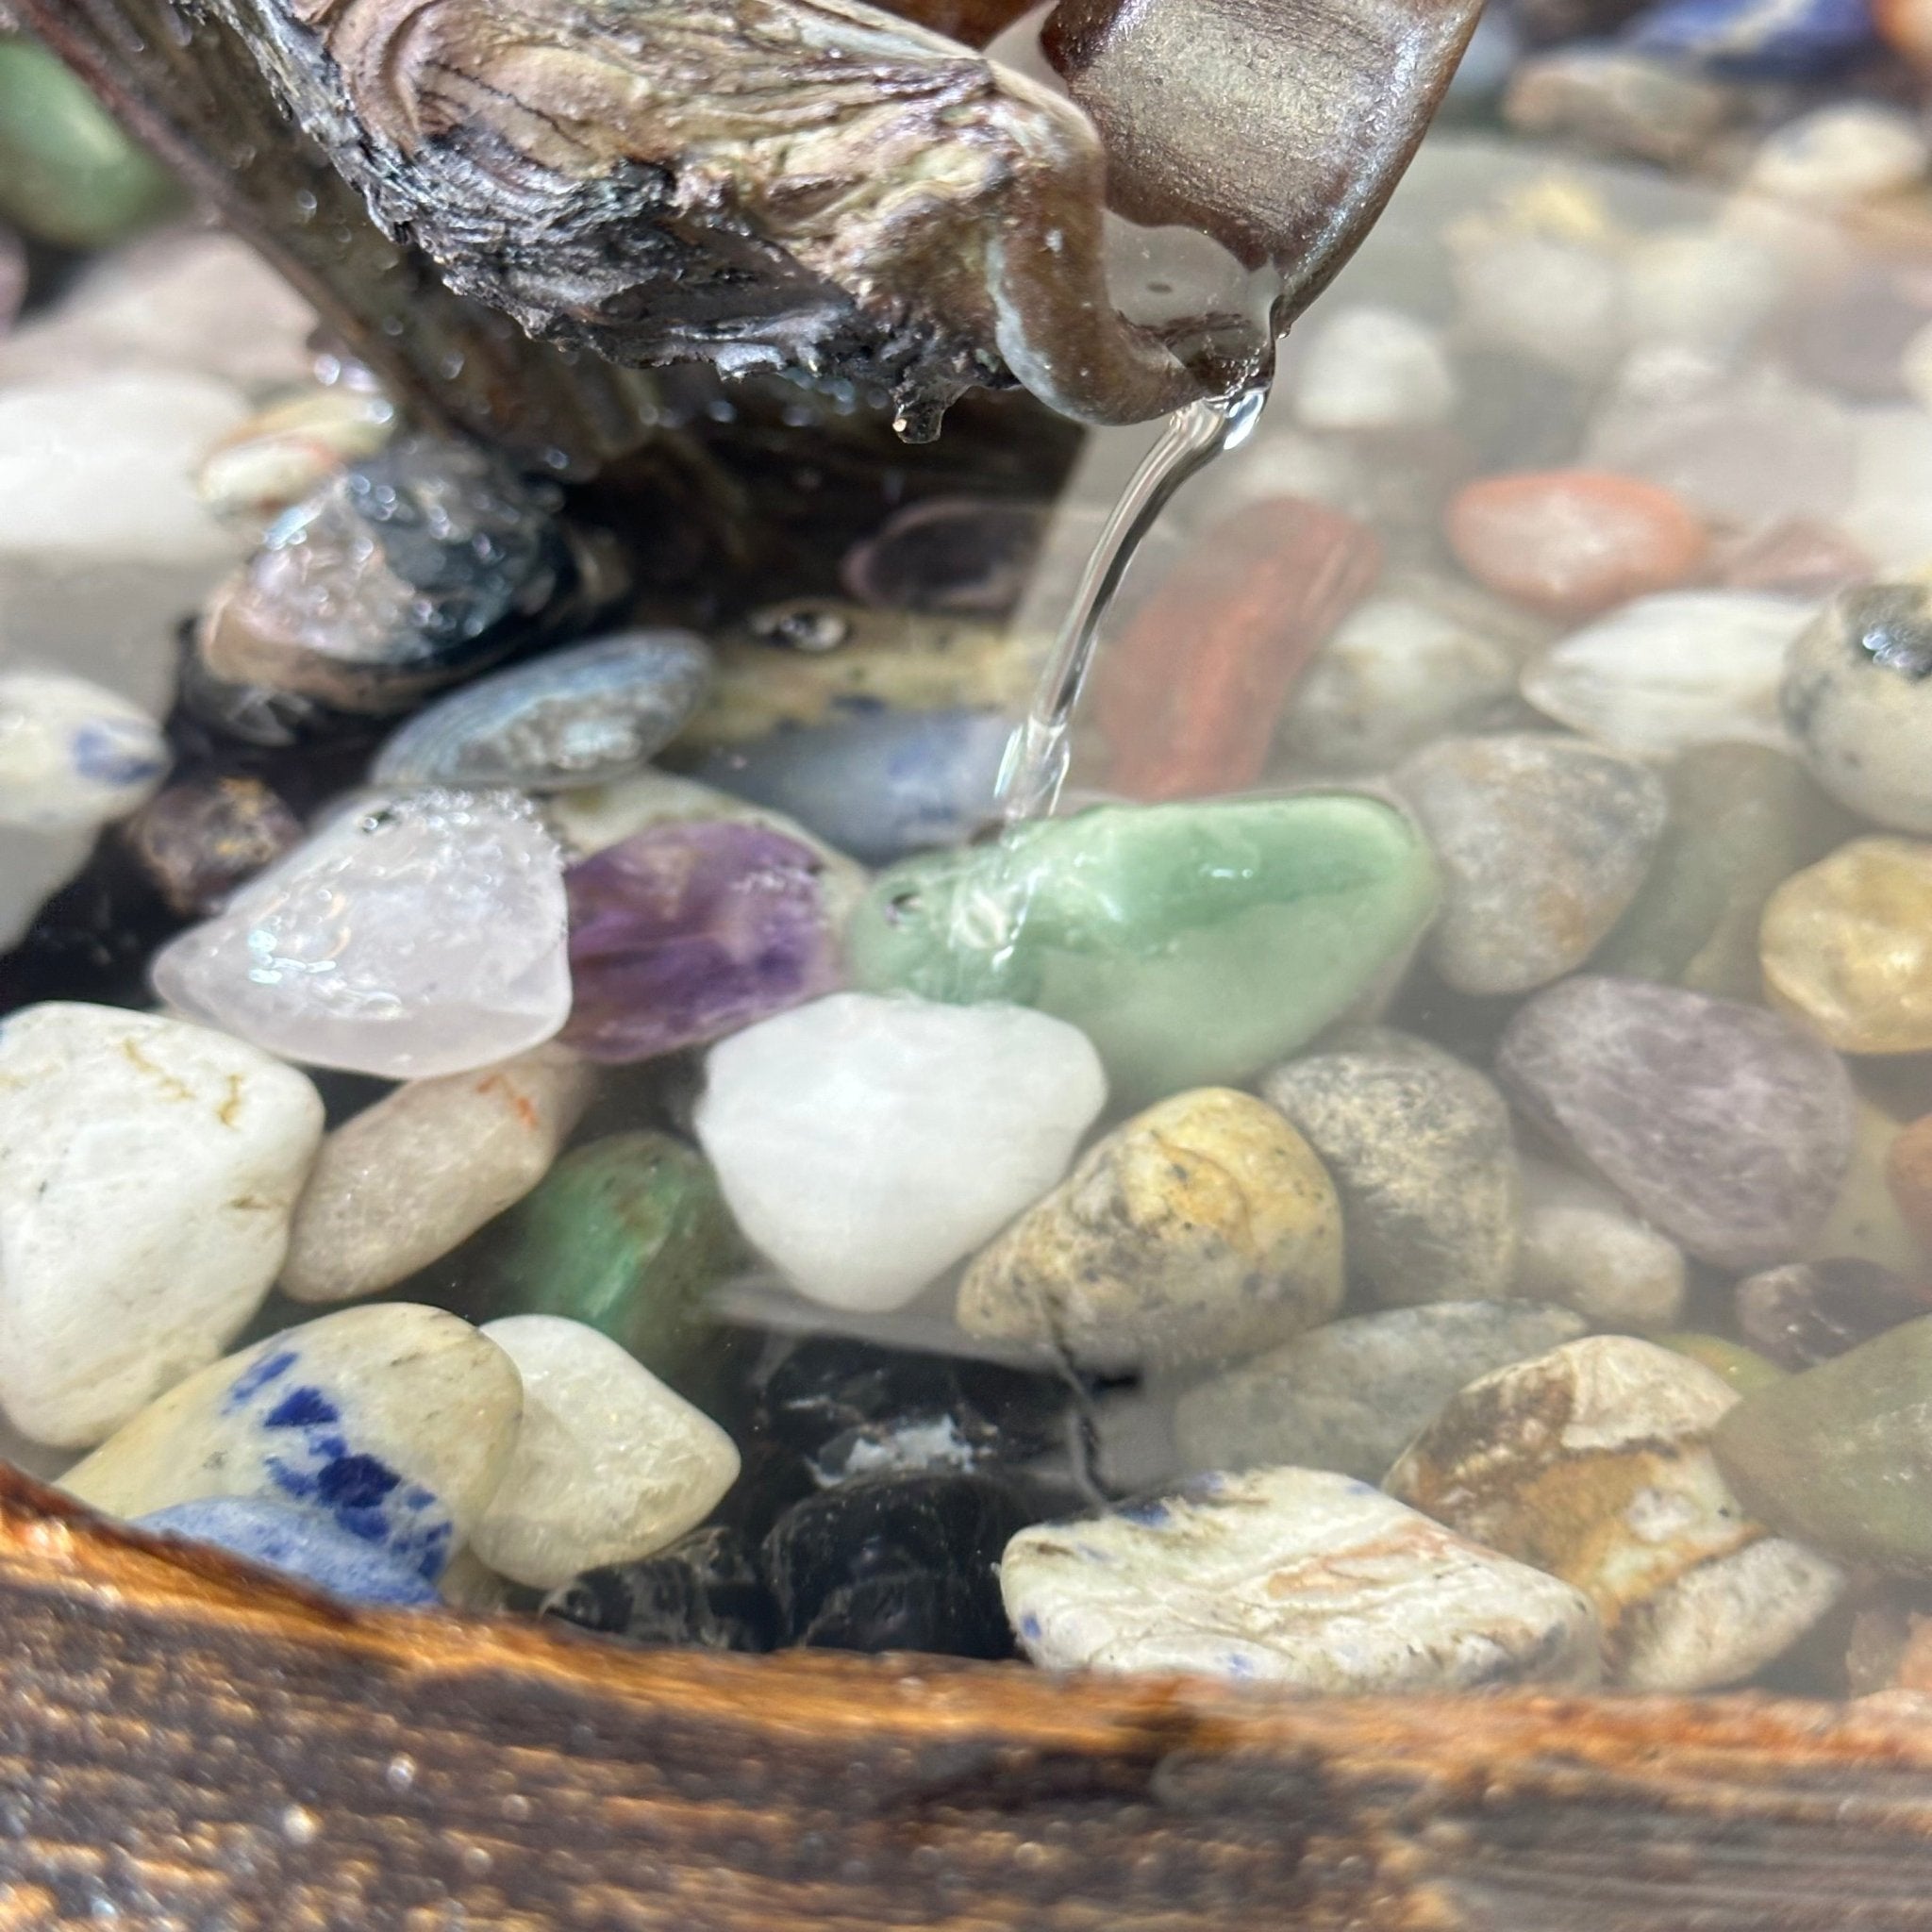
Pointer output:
186, 1743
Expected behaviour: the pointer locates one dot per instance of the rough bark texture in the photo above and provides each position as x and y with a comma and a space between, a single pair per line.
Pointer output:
187, 1743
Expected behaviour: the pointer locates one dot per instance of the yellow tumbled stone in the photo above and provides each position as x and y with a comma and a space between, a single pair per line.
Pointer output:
1847, 946
1204, 1227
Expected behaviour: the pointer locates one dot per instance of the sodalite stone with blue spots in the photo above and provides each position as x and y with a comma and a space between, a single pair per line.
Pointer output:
392, 1426
1758, 40
1301, 1575
295, 1540
72, 754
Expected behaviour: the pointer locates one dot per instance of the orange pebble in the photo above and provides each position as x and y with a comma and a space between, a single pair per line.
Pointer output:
1188, 697
1572, 543
1909, 1173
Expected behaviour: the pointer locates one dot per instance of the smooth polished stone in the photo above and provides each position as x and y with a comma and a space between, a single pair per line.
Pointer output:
300, 1545
1726, 1126
1582, 1248
1669, 673
684, 933
72, 755
876, 784
1617, 102
1254, 598
199, 839
865, 1143
1868, 1221
291, 449
1847, 946
583, 716
896, 1562
707, 1592
1349, 1395
1807, 1312
392, 1424
1908, 1178
1740, 1368
1543, 841
360, 949
1758, 40
405, 1181
1204, 1226
1574, 541
1858, 698
1370, 367
1841, 1457
148, 1170
1420, 1149
1193, 943
970, 556
609, 1464
1798, 558
1594, 1462
1742, 820
627, 1234
1842, 153
1291, 1575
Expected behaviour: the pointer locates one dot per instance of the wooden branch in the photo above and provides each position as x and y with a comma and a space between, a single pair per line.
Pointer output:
187, 1743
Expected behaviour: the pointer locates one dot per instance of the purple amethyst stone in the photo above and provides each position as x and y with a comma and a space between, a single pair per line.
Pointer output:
686, 932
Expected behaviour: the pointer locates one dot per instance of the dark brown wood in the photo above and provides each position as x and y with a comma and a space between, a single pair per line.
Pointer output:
185, 1742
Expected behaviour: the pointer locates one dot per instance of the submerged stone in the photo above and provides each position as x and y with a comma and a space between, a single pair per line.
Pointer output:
72, 755
707, 1592
1193, 943
1293, 1575
1808, 1312
198, 840
301, 1545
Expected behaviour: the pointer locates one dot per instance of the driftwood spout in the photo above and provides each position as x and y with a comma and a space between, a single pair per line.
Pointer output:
190, 1743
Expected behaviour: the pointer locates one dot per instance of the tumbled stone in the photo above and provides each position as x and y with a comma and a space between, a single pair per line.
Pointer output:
1746, 40
1847, 946
1400, 669
582, 716
1806, 1313
1739, 1368
198, 840
1857, 697
1583, 1249
1617, 102
627, 1234
1908, 1178
1666, 673
1553, 300
1255, 598
1574, 541
1888, 513
291, 449
1294, 1575
1707, 288
1796, 558
609, 1465
1742, 820
405, 1181
1866, 1222
361, 950
1841, 1456
1728, 1128
1543, 843
1593, 1462
896, 1562
1204, 1227
1419, 1148
1193, 943
865, 1143
1369, 368
970, 556
705, 1593
1846, 151
684, 933
72, 754
392, 1424
1349, 1395
301, 1545
147, 1173
876, 784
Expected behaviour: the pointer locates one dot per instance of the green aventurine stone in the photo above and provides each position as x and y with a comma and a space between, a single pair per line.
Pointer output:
68, 174
1193, 943
1743, 819
627, 1234
1841, 1457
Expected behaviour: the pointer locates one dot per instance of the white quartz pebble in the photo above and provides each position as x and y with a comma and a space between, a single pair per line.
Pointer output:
609, 1464
866, 1143
393, 1423
409, 937
72, 754
148, 1170
1580, 1247
402, 1182
1847, 151
1373, 368
1666, 672
1299, 1575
